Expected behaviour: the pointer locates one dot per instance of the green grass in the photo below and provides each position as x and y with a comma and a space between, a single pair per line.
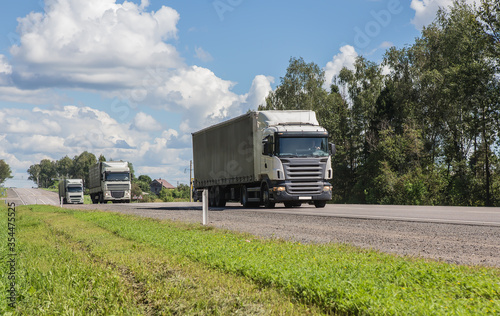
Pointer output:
121, 258
69, 266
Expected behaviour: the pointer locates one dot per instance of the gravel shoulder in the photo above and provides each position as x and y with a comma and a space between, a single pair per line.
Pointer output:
451, 243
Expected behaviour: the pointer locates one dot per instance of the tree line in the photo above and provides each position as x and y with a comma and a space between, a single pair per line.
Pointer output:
48, 172
422, 126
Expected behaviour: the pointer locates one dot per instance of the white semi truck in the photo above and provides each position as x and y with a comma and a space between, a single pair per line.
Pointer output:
264, 158
110, 181
71, 191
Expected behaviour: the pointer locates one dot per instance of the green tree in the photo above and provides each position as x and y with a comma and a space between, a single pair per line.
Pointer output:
64, 167
145, 178
34, 173
364, 85
132, 172
81, 165
488, 14
43, 173
144, 182
300, 89
136, 190
5, 172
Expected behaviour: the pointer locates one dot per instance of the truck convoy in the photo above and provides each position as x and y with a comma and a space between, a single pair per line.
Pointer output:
71, 191
264, 158
109, 181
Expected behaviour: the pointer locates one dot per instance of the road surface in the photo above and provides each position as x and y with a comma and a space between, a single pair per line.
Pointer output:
427, 214
32, 196
461, 235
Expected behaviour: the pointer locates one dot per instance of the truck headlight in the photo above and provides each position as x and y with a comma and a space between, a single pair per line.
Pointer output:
327, 188
279, 189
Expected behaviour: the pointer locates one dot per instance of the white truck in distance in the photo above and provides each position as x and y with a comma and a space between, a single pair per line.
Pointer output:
264, 158
71, 191
109, 181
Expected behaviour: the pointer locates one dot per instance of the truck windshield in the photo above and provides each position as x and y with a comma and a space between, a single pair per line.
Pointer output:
117, 176
302, 147
75, 189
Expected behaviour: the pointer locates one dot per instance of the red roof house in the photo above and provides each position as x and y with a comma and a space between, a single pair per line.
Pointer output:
158, 184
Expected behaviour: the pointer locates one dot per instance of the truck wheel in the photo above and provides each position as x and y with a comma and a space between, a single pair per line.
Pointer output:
211, 197
220, 199
244, 197
319, 204
265, 197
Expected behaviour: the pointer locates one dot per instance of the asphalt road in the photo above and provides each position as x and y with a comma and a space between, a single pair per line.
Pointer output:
32, 196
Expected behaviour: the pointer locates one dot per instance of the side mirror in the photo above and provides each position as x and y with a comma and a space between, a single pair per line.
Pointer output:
333, 150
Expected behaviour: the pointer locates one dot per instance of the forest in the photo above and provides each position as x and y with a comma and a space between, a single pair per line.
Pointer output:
421, 127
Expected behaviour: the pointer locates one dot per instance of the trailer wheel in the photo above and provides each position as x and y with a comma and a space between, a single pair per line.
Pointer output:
211, 197
244, 197
266, 198
220, 199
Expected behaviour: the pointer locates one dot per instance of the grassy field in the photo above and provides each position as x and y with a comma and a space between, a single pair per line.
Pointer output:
77, 262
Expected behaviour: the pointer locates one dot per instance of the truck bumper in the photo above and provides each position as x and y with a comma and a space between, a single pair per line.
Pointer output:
282, 195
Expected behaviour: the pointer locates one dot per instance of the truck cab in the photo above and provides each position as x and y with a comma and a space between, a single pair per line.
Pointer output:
295, 163
71, 191
110, 181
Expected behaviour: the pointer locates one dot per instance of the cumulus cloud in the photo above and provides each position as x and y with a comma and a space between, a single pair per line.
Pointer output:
27, 136
126, 53
346, 58
145, 122
5, 67
425, 10
97, 44
122, 51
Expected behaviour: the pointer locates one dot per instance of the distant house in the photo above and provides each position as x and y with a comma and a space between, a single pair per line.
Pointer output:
158, 184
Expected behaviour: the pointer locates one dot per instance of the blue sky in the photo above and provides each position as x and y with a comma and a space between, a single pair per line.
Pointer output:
132, 80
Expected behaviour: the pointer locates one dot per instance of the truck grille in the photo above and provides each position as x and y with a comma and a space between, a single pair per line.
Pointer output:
304, 176
117, 194
75, 198
118, 187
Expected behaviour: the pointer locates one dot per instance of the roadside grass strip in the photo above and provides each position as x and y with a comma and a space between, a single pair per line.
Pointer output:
68, 266
121, 259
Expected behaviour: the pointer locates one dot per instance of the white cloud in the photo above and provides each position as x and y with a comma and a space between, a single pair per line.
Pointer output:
202, 55
5, 67
346, 58
425, 10
145, 122
261, 86
27, 136
93, 43
122, 51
